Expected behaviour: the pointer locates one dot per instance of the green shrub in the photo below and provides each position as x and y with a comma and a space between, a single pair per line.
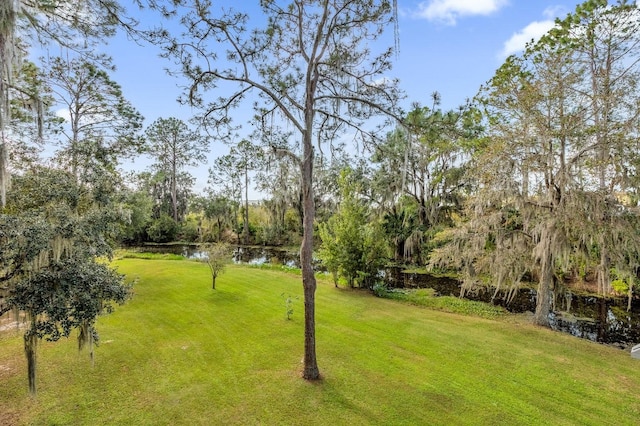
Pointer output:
163, 230
190, 230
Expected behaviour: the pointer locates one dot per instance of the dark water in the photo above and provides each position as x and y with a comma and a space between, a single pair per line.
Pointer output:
266, 255
593, 318
250, 255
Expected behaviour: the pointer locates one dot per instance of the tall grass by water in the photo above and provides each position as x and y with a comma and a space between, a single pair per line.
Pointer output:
181, 353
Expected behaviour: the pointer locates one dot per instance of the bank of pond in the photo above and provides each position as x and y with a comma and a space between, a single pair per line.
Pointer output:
599, 319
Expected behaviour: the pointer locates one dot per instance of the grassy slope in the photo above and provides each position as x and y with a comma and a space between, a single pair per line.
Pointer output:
181, 353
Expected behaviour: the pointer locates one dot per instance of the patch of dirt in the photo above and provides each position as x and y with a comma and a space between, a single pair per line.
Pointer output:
11, 326
6, 371
9, 321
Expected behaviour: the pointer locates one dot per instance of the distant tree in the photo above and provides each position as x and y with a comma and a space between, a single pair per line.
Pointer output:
31, 119
225, 182
234, 169
399, 225
220, 210
420, 167
159, 186
139, 207
216, 256
174, 147
279, 180
163, 229
103, 126
77, 25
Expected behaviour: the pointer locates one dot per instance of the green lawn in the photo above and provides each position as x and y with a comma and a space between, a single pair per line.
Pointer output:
181, 353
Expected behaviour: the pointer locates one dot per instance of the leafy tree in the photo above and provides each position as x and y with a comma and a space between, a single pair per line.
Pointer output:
351, 247
31, 119
49, 260
174, 147
139, 207
420, 165
398, 226
216, 256
225, 182
51, 229
220, 210
280, 181
163, 229
157, 185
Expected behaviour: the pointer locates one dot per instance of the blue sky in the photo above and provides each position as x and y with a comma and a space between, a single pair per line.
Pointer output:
449, 46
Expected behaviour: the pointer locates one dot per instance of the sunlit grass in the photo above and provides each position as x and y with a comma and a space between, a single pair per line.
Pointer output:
426, 297
131, 254
181, 353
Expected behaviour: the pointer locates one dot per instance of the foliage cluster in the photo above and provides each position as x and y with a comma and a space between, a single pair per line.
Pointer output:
351, 244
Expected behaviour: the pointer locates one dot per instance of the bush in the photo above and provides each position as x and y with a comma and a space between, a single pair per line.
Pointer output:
352, 247
163, 230
190, 229
380, 289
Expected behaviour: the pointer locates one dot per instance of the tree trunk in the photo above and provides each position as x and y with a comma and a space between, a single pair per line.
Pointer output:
246, 206
545, 284
399, 251
4, 170
311, 371
30, 348
300, 208
604, 280
174, 192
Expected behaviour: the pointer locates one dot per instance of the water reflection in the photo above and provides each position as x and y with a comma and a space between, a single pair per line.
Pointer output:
265, 255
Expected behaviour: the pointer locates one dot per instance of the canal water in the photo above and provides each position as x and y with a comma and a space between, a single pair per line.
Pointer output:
603, 320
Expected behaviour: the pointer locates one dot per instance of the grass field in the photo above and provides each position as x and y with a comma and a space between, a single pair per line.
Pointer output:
180, 353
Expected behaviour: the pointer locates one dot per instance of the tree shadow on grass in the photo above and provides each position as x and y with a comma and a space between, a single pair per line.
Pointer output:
325, 395
222, 296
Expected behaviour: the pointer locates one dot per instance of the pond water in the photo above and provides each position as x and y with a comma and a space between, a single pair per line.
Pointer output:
593, 318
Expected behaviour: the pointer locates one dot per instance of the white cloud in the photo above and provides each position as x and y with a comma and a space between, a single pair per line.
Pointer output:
552, 12
448, 11
533, 31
